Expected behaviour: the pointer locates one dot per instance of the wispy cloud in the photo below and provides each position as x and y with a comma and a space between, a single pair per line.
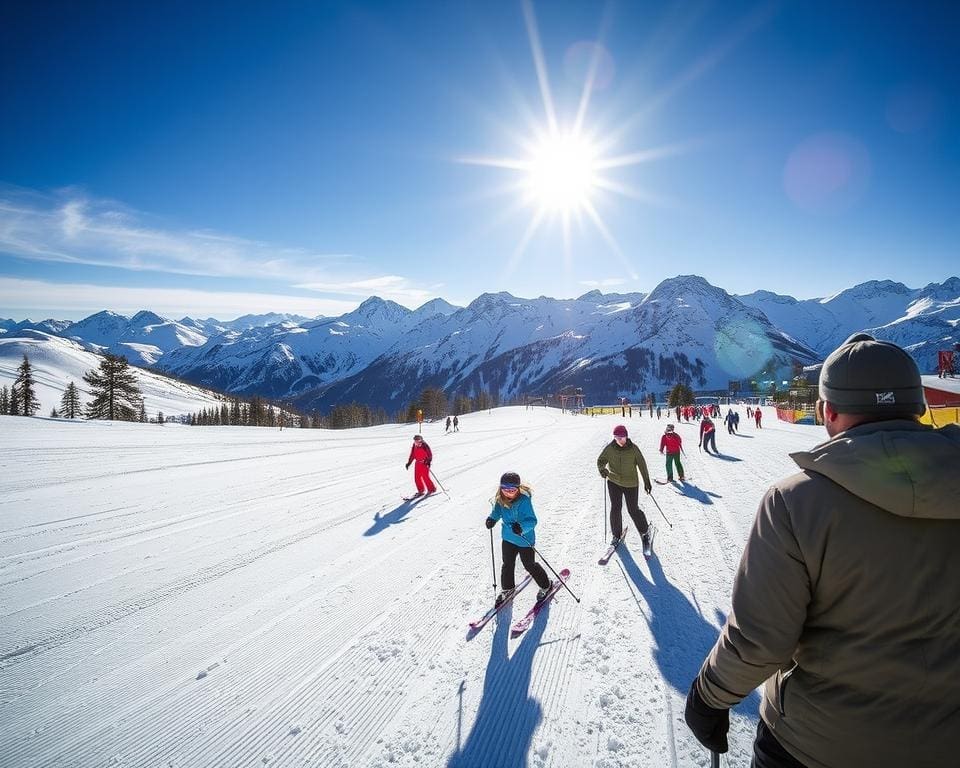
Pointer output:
395, 287
608, 282
79, 229
73, 227
71, 301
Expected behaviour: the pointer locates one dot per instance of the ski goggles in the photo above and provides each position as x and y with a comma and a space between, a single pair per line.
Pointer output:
509, 487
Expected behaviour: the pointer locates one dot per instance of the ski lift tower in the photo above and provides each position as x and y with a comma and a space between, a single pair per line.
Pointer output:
573, 396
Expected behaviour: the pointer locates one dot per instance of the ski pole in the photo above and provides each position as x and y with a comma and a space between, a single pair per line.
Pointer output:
493, 564
602, 480
658, 509
550, 567
714, 759
439, 483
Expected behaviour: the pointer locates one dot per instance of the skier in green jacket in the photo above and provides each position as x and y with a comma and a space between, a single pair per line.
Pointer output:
618, 463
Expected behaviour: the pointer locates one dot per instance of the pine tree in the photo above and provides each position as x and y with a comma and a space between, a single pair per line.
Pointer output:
70, 402
54, 414
160, 418
26, 389
116, 396
142, 414
4, 401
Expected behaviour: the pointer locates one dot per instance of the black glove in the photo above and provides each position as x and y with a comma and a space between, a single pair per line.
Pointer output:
407, 466
490, 522
709, 725
515, 527
426, 463
604, 472
648, 488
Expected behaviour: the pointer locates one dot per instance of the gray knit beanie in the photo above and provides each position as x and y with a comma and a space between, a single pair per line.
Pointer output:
864, 375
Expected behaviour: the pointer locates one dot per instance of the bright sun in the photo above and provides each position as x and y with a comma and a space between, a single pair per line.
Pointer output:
561, 174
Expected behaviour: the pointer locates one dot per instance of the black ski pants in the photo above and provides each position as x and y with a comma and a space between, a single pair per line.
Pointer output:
617, 494
767, 752
529, 559
710, 441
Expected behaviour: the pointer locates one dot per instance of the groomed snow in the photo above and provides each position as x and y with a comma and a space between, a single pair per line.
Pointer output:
226, 596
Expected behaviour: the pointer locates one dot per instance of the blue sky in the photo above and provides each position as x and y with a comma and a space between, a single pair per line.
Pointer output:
204, 159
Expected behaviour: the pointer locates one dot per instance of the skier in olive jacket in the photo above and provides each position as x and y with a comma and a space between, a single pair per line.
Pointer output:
845, 604
618, 463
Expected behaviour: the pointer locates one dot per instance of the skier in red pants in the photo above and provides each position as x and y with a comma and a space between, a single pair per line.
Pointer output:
421, 454
757, 416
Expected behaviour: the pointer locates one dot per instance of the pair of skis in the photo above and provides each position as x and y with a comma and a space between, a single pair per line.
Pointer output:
522, 625
647, 549
668, 482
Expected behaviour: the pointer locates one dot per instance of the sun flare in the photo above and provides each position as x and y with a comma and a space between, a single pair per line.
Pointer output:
561, 174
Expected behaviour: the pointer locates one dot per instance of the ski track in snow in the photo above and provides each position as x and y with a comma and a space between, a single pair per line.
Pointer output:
177, 596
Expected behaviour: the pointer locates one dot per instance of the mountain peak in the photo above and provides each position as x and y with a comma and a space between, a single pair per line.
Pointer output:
436, 307
145, 317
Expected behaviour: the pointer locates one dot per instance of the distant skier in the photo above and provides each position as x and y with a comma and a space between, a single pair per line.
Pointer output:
448, 423
456, 424
514, 509
736, 421
618, 463
749, 412
672, 443
728, 420
421, 454
658, 413
708, 435
757, 416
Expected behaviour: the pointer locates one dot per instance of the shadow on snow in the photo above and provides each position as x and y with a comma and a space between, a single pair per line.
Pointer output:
394, 516
507, 715
692, 491
683, 636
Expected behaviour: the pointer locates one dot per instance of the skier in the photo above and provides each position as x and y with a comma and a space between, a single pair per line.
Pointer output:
728, 420
736, 421
658, 413
448, 423
708, 435
514, 509
618, 463
421, 454
757, 416
845, 599
456, 424
672, 443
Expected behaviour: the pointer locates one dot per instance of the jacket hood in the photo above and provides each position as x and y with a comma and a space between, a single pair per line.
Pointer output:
901, 466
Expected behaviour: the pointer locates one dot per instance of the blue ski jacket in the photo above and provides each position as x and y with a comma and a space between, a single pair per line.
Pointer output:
520, 511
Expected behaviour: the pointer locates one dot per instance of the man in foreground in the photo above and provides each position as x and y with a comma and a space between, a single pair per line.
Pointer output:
846, 604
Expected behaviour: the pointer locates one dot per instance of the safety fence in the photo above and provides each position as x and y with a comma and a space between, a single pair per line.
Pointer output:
941, 415
797, 415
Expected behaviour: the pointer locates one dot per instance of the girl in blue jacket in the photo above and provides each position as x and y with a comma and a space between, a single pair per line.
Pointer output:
512, 506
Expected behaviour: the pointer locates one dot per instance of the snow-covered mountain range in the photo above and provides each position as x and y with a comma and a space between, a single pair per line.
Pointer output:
610, 344
922, 320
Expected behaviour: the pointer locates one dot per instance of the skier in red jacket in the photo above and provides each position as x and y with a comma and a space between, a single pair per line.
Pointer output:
757, 416
672, 443
708, 435
421, 454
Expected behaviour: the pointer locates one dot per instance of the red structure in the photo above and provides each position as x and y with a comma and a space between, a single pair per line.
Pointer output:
938, 391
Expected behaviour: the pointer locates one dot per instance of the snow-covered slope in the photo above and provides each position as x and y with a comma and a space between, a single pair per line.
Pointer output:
227, 596
57, 361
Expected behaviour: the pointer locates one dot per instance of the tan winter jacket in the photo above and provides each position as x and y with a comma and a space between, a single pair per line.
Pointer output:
847, 603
